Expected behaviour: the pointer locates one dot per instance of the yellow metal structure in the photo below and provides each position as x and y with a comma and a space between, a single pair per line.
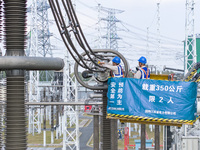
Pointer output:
148, 120
160, 77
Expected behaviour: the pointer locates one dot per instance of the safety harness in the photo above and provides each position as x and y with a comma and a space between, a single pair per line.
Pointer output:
120, 72
146, 73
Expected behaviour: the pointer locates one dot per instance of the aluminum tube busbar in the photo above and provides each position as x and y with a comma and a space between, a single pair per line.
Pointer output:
30, 63
63, 103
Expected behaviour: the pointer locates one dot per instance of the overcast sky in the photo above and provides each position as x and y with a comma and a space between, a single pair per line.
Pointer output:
137, 16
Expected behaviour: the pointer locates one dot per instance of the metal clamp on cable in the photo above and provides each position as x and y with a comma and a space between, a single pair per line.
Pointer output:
99, 76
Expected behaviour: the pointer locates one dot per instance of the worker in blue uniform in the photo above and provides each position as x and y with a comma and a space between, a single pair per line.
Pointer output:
115, 67
119, 133
143, 72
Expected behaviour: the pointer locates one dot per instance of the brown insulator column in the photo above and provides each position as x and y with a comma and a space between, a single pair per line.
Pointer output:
143, 137
96, 128
106, 124
114, 134
1, 86
15, 21
157, 137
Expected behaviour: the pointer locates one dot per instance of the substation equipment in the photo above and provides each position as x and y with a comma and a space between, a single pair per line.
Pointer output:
15, 63
108, 127
86, 69
87, 65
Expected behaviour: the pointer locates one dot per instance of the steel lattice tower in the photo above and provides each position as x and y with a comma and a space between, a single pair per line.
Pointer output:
111, 35
190, 38
70, 93
71, 116
39, 47
147, 48
158, 30
44, 46
99, 28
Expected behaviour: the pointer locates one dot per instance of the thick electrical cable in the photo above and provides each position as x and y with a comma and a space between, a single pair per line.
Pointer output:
79, 27
60, 23
73, 25
72, 45
58, 20
71, 20
70, 13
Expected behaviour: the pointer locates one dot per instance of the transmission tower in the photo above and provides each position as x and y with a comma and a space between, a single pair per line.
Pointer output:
99, 28
190, 37
147, 48
111, 35
189, 61
39, 47
158, 30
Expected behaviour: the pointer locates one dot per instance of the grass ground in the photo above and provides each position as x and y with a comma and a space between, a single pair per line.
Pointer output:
136, 134
37, 139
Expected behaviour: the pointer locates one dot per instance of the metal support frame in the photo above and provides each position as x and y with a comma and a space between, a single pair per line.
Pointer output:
2, 108
34, 75
70, 138
190, 60
39, 46
190, 37
52, 122
44, 128
57, 121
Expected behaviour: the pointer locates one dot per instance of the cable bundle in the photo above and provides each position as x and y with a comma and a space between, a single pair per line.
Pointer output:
74, 27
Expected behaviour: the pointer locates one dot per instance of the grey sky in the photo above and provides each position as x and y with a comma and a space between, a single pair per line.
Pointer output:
137, 16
